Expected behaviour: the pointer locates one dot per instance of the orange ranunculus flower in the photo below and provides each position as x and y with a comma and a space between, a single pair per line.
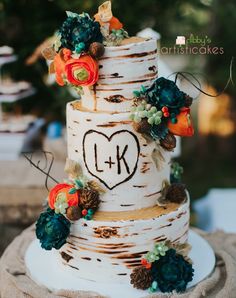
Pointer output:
72, 199
183, 127
59, 65
82, 71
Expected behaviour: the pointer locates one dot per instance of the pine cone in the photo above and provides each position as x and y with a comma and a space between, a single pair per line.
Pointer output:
176, 193
142, 127
89, 199
169, 142
141, 278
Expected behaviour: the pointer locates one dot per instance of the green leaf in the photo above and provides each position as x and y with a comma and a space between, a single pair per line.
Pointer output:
136, 93
72, 191
143, 89
71, 14
78, 183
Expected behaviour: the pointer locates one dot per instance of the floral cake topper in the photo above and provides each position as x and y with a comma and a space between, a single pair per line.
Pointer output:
79, 43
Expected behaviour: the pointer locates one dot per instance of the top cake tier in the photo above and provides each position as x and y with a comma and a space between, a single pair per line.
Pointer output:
122, 69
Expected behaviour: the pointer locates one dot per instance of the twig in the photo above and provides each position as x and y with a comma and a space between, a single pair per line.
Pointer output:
38, 167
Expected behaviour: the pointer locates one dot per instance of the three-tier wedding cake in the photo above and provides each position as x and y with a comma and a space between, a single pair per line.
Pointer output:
123, 214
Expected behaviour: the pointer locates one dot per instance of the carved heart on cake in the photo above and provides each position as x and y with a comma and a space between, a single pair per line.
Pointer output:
111, 159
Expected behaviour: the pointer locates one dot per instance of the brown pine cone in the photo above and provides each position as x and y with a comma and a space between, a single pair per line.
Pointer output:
89, 199
141, 278
176, 193
169, 142
142, 126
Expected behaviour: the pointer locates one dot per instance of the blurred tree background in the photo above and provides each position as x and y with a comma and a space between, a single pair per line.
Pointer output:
24, 24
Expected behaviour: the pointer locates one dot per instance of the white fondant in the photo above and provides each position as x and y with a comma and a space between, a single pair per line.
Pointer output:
122, 70
144, 181
61, 277
112, 259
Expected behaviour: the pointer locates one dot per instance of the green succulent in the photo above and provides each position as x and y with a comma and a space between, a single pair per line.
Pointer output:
61, 204
145, 110
154, 116
115, 37
159, 250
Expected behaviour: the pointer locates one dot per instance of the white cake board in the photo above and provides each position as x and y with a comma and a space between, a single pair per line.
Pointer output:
44, 269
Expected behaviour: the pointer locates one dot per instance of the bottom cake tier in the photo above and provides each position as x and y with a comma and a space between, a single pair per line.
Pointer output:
108, 247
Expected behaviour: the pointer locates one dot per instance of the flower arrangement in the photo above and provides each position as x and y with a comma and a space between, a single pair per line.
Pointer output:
166, 268
166, 109
78, 193
76, 198
78, 44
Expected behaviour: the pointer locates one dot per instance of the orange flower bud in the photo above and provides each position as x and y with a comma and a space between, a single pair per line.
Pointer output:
59, 66
183, 127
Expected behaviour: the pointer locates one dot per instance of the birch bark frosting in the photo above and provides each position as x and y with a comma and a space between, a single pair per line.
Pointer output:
122, 70
111, 152
123, 211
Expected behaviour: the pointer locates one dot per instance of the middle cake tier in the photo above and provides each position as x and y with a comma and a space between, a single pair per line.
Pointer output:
109, 150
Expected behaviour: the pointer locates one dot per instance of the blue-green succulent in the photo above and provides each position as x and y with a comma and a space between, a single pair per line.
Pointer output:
52, 229
171, 272
78, 31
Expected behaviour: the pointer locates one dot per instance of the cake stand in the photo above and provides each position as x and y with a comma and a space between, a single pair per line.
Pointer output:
44, 269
